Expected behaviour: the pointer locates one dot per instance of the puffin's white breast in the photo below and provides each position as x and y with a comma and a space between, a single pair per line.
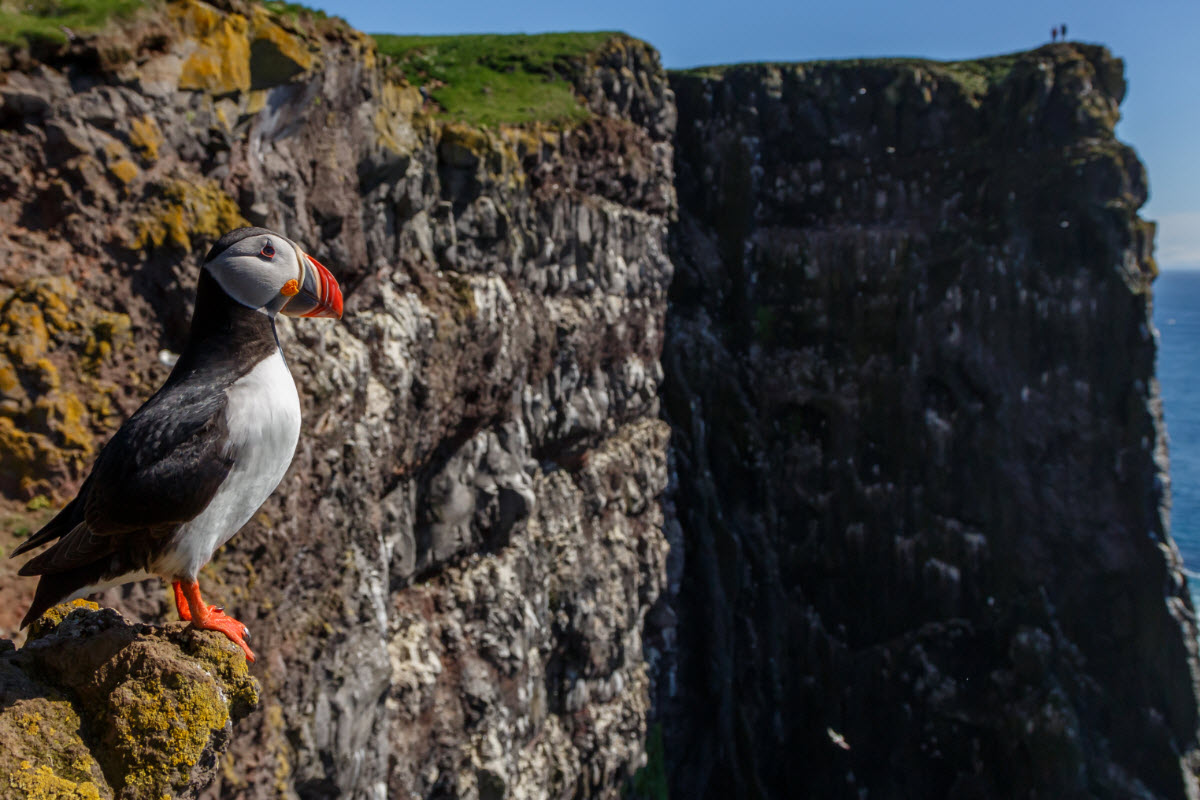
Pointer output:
262, 418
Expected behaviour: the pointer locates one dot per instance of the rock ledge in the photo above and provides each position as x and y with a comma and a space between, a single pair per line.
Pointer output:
94, 706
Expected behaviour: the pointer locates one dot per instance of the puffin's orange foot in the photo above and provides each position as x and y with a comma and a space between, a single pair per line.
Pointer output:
216, 620
209, 618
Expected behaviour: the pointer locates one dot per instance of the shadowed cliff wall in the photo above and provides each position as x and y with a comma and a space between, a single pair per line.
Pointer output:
918, 457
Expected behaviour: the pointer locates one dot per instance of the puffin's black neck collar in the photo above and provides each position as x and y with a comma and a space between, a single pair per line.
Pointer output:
226, 336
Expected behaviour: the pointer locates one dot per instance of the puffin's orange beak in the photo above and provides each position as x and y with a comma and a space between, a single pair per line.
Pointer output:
319, 295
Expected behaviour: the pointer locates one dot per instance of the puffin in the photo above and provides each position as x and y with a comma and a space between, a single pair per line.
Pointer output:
190, 467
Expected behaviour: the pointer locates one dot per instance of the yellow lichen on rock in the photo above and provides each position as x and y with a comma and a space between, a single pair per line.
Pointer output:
496, 151
462, 144
40, 783
158, 706
229, 667
109, 331
24, 331
187, 209
46, 330
275, 54
393, 120
42, 754
29, 723
54, 615
145, 135
46, 375
65, 416
37, 310
21, 453
125, 171
537, 139
10, 387
292, 46
220, 64
160, 726
257, 101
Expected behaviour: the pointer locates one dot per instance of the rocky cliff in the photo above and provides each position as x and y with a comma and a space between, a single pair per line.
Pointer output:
920, 473
447, 591
909, 374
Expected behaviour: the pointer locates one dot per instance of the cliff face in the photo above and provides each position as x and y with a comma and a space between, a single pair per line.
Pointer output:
446, 592
917, 442
909, 376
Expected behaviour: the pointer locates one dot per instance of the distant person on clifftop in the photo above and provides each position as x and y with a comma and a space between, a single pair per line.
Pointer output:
1054, 34
1064, 31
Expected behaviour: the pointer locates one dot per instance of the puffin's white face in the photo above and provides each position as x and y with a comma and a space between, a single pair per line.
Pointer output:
271, 273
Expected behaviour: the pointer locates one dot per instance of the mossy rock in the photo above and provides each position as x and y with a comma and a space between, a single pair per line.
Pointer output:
53, 344
276, 55
97, 707
184, 209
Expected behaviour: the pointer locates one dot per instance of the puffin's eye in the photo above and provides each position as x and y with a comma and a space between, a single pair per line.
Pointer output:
268, 251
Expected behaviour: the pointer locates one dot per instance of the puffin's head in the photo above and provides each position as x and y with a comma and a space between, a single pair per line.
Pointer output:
262, 270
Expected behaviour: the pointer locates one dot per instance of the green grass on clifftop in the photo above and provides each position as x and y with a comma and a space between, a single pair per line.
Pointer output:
25, 21
491, 79
976, 76
293, 10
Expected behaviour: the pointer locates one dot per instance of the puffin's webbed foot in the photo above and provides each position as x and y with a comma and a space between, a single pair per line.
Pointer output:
204, 617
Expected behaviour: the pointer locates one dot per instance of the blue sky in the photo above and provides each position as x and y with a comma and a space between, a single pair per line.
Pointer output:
1159, 40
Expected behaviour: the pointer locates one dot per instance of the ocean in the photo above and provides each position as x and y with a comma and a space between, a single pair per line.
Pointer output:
1177, 317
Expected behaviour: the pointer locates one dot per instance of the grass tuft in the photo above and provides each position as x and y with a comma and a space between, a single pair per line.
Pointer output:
25, 22
293, 10
493, 79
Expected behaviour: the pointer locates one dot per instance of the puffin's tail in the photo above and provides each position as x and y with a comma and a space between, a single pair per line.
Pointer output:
71, 567
54, 589
63, 523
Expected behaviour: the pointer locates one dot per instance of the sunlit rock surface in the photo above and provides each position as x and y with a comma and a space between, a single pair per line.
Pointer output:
905, 449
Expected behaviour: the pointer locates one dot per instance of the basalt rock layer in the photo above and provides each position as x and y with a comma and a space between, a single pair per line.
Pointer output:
921, 472
446, 593
909, 376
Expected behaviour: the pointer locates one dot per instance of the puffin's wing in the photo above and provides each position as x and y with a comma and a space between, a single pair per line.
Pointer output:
158, 471
76, 549
163, 467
